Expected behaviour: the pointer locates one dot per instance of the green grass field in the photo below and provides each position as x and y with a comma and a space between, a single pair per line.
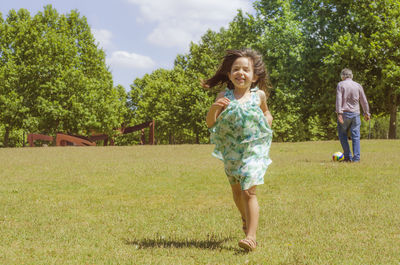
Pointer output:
173, 205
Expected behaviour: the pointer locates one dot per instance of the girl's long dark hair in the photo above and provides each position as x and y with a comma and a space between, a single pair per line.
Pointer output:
221, 76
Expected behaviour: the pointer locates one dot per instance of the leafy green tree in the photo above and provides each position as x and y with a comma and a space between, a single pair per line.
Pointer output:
153, 98
55, 73
14, 113
194, 101
282, 45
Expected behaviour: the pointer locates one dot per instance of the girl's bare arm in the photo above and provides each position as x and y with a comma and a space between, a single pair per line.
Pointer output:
216, 108
264, 107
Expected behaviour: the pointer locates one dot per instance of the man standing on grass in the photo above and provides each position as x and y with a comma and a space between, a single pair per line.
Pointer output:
349, 95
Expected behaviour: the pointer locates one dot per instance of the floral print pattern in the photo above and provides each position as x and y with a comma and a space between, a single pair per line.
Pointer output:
242, 138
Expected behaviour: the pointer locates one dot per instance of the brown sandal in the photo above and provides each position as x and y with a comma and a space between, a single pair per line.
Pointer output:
248, 244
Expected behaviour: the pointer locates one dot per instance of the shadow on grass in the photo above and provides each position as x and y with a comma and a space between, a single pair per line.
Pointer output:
161, 242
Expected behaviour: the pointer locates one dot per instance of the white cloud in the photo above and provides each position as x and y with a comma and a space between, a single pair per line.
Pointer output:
103, 36
169, 36
123, 59
179, 22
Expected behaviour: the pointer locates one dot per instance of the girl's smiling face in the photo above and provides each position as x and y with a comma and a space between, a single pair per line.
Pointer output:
242, 73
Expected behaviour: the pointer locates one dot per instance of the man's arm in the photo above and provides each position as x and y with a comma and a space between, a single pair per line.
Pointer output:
339, 111
364, 104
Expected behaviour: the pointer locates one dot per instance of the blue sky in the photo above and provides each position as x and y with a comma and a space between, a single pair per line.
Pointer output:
140, 36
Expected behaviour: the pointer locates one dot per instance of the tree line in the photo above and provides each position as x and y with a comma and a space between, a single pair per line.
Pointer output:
53, 76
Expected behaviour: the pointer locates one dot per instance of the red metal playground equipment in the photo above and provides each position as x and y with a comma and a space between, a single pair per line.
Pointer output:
62, 139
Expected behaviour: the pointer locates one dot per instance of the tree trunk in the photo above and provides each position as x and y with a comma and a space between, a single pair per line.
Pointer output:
393, 116
197, 137
6, 137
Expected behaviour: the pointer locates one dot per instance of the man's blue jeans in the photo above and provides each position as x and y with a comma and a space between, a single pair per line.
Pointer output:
352, 123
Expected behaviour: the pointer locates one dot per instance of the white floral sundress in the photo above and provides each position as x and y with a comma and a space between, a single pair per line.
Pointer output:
242, 138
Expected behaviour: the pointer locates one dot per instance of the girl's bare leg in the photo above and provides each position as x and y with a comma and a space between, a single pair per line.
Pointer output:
237, 198
251, 210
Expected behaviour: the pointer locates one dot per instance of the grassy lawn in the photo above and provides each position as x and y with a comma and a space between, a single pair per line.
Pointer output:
173, 205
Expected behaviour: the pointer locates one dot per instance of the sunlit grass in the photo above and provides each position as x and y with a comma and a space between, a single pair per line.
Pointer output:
172, 205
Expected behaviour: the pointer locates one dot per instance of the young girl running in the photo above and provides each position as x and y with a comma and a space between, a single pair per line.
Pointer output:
240, 126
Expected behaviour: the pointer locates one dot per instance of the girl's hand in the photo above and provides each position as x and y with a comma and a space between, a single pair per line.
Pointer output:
216, 108
269, 117
221, 103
